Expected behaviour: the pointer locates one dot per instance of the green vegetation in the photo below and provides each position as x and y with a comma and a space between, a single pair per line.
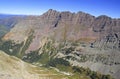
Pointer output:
91, 74
16, 49
14, 68
31, 57
58, 61
47, 56
26, 44
68, 50
34, 57
10, 47
48, 51
3, 30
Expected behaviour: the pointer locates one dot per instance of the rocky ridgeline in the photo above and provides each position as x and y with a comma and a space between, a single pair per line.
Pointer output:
80, 38
65, 26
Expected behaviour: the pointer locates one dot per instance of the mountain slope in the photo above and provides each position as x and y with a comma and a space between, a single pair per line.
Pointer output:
8, 21
78, 38
13, 68
3, 30
62, 26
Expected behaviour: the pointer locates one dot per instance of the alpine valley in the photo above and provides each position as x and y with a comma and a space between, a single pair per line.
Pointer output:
60, 45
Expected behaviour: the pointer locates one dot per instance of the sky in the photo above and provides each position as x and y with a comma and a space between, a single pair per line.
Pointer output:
37, 7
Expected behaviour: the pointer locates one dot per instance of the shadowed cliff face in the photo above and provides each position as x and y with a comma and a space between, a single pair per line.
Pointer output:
80, 38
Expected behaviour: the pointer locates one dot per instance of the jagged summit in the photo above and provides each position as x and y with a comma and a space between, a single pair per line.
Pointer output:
103, 16
75, 23
79, 12
80, 38
55, 11
65, 26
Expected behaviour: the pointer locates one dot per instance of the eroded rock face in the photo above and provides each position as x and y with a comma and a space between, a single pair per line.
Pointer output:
102, 33
62, 26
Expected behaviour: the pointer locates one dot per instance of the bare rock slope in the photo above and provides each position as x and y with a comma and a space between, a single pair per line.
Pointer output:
92, 42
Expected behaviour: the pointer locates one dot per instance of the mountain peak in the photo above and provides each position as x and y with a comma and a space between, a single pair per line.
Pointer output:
51, 11
104, 16
81, 36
